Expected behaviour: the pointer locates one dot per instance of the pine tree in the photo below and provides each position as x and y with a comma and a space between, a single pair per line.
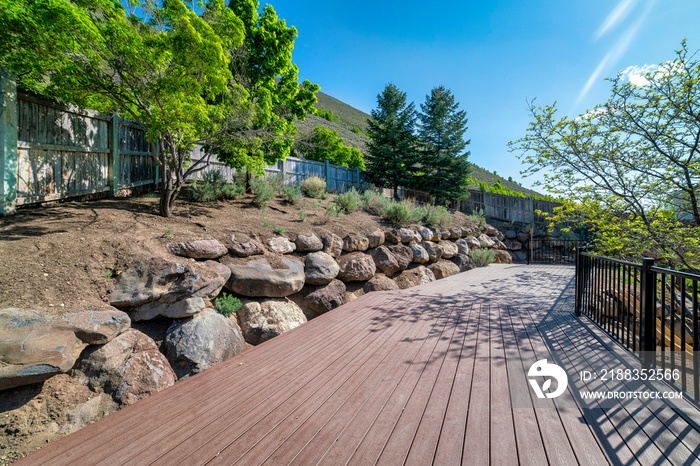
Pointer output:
392, 147
443, 159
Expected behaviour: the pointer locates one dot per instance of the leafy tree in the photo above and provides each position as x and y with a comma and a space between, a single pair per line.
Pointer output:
443, 159
392, 144
166, 68
263, 66
323, 144
624, 163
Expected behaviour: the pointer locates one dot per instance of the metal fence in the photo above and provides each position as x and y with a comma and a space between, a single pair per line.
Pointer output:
650, 310
553, 250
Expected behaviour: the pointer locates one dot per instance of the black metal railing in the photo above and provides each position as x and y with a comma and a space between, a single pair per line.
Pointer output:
552, 250
650, 310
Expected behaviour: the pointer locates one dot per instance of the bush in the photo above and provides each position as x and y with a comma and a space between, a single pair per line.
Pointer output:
227, 304
302, 215
230, 191
483, 257
277, 182
205, 192
291, 194
374, 202
436, 216
214, 177
477, 216
263, 191
279, 231
313, 186
401, 213
348, 202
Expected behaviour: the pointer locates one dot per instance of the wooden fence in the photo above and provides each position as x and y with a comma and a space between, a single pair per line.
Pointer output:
507, 208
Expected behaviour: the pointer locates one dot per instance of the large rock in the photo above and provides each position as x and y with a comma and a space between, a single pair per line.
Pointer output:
380, 282
485, 241
511, 234
443, 269
462, 246
473, 243
195, 344
463, 262
522, 237
129, 368
420, 255
183, 308
94, 327
403, 254
376, 238
385, 261
259, 279
355, 242
449, 249
245, 249
445, 234
503, 257
322, 299
356, 266
281, 245
513, 245
434, 250
414, 277
455, 233
308, 243
490, 230
498, 244
263, 320
426, 233
332, 245
166, 282
400, 235
200, 249
321, 268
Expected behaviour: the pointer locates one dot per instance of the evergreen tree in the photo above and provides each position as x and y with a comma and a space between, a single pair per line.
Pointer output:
443, 159
392, 147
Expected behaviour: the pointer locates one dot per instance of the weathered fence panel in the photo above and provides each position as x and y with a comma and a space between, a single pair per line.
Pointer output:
135, 157
297, 170
507, 208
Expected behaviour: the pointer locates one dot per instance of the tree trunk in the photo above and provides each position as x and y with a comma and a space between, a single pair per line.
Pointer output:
167, 197
248, 178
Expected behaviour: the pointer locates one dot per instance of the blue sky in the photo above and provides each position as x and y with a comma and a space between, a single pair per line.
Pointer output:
493, 55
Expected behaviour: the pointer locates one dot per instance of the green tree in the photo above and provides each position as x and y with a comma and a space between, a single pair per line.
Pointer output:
323, 144
623, 164
166, 68
263, 66
443, 159
392, 143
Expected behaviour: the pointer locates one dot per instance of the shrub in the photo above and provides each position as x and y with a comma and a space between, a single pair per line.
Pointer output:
313, 186
230, 191
205, 192
348, 202
279, 230
227, 304
302, 214
291, 194
277, 182
401, 213
483, 257
374, 202
214, 177
263, 191
436, 216
323, 195
477, 216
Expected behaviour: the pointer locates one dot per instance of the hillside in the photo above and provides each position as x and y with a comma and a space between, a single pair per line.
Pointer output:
345, 117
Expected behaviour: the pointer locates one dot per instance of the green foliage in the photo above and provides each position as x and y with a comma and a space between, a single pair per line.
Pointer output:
263, 213
483, 257
279, 230
392, 155
323, 195
263, 192
214, 187
402, 213
302, 214
349, 201
477, 216
230, 191
227, 304
313, 186
277, 182
374, 202
443, 158
266, 224
291, 194
323, 144
166, 234
326, 114
436, 216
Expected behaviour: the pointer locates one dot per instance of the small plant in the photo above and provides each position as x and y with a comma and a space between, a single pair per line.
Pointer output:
277, 182
302, 215
230, 191
483, 257
108, 274
279, 231
477, 216
401, 213
374, 202
323, 195
316, 205
263, 192
313, 186
266, 224
168, 232
227, 304
263, 211
214, 177
436, 216
348, 202
291, 194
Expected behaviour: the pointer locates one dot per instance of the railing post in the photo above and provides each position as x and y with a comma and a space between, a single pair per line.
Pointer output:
114, 155
8, 143
647, 324
579, 280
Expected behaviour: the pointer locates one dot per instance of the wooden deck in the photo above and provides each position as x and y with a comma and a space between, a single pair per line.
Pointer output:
435, 374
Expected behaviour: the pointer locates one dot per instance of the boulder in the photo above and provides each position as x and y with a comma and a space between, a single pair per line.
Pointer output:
449, 249
473, 243
128, 368
511, 234
94, 327
417, 238
522, 237
380, 282
536, 244
445, 234
490, 230
166, 282
356, 266
320, 268
245, 249
308, 243
200, 249
376, 238
513, 245
498, 244
519, 256
420, 255
462, 246
434, 250
468, 231
281, 245
183, 308
403, 254
485, 241
332, 245
443, 269
385, 261
322, 299
259, 279
503, 257
400, 235
354, 242
414, 277
554, 242
263, 320
463, 262
197, 343
437, 235
426, 233
455, 233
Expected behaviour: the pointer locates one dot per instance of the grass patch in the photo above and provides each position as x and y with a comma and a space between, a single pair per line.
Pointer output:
279, 231
483, 257
477, 216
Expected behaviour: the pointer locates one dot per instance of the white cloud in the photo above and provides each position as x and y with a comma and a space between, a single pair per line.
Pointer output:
619, 13
641, 75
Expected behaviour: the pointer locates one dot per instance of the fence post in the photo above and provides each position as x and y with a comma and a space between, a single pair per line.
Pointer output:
283, 170
357, 173
8, 143
328, 174
114, 155
647, 324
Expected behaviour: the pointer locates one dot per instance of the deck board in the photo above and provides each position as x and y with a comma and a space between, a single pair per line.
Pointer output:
436, 374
